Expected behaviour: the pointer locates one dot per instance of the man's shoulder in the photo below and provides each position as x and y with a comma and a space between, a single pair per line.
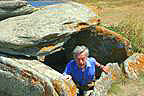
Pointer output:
92, 59
71, 62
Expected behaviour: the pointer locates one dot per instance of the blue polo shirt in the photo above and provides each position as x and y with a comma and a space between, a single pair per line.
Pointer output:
82, 78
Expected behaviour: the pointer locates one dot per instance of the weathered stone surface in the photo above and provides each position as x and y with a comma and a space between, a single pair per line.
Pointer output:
134, 65
115, 71
103, 84
65, 87
27, 34
11, 8
105, 45
21, 77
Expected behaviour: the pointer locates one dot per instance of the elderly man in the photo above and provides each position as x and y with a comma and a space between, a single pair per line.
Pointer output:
82, 70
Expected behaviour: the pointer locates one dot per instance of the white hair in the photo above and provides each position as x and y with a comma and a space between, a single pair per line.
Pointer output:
79, 50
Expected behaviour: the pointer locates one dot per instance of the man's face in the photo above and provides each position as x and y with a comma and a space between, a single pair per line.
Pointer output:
81, 59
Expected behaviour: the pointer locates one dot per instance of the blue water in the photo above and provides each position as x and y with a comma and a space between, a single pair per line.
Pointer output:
43, 3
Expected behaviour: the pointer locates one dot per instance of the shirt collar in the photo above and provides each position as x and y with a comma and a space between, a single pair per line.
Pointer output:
88, 63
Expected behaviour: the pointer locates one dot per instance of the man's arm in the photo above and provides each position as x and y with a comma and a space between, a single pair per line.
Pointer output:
98, 65
102, 67
67, 69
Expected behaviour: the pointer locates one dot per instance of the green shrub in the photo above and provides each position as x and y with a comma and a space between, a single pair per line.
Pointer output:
115, 88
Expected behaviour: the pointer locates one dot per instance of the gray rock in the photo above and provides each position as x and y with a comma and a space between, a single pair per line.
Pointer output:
134, 65
13, 8
21, 77
103, 84
27, 34
115, 71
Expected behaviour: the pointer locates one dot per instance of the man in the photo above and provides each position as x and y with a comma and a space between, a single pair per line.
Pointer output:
82, 70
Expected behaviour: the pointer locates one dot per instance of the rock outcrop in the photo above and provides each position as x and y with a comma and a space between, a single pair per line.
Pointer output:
51, 26
26, 77
115, 70
103, 84
54, 28
11, 8
134, 66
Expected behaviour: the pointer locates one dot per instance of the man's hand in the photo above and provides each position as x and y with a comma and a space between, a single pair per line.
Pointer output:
67, 77
105, 69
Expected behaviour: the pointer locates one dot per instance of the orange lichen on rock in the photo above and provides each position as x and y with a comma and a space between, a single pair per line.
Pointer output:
94, 21
114, 76
115, 71
47, 48
64, 87
107, 32
119, 38
72, 87
28, 74
138, 65
81, 25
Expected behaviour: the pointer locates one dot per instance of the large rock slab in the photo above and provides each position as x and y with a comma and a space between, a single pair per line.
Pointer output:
105, 45
51, 26
11, 8
27, 77
104, 83
134, 66
115, 70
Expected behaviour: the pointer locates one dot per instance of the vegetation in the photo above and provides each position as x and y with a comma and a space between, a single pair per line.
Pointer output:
132, 28
128, 88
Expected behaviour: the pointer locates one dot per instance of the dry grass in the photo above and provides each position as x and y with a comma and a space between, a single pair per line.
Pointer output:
133, 29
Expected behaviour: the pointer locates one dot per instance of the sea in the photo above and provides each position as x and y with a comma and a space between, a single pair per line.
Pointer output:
39, 3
